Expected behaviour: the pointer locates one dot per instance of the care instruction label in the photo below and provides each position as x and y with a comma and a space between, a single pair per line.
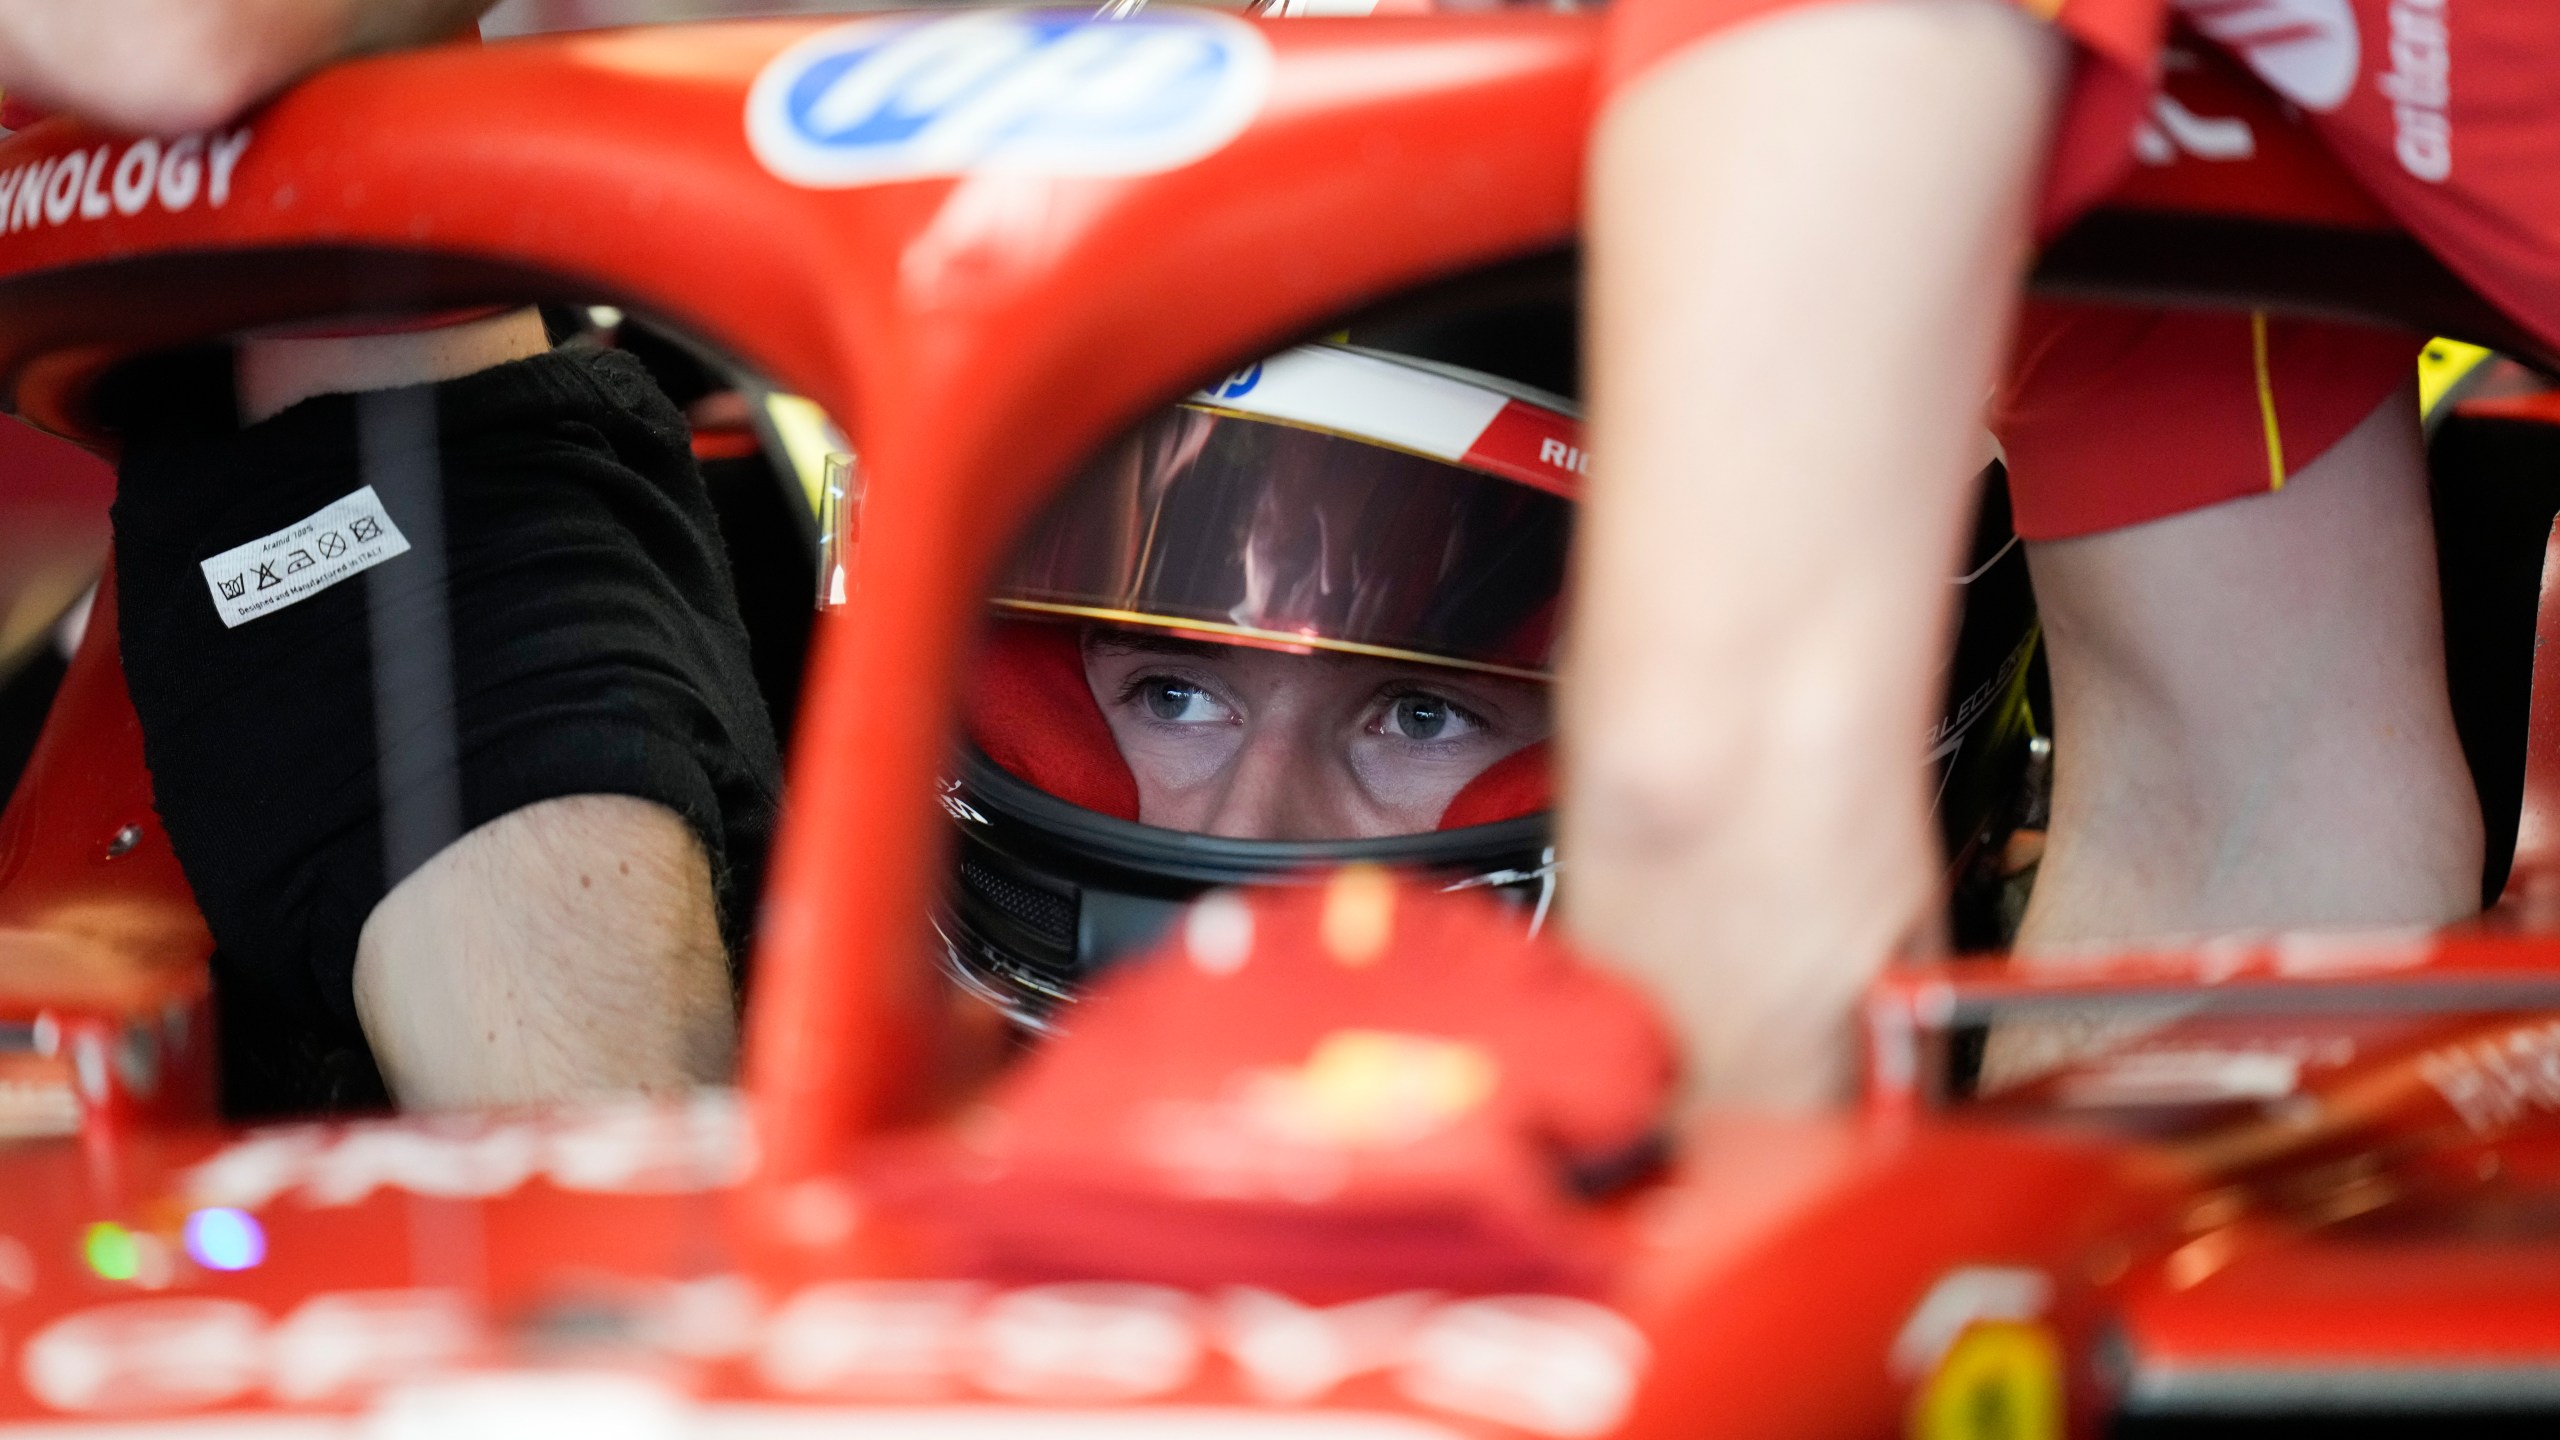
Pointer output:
346, 537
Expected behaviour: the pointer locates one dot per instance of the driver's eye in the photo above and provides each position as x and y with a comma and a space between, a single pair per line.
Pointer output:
1175, 700
1421, 717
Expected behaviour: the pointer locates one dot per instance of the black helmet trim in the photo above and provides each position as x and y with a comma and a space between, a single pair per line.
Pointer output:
1091, 839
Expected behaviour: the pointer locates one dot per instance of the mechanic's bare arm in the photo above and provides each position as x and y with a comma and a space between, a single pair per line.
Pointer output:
274, 373
571, 948
567, 950
1807, 239
165, 65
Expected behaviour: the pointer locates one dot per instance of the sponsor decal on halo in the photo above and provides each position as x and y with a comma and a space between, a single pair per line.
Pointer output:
1051, 92
1235, 386
96, 181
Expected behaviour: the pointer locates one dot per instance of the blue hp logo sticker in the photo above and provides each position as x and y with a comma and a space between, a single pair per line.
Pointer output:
1236, 386
1055, 92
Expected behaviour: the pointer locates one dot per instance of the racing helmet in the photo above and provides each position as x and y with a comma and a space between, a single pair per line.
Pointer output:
1330, 500
1339, 499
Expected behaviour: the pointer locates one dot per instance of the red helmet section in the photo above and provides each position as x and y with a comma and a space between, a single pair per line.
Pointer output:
1520, 783
1029, 710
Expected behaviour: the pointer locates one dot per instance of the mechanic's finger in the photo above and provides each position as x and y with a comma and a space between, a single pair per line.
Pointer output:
169, 65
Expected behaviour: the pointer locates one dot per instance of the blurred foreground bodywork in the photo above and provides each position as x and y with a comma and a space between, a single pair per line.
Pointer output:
1966, 1256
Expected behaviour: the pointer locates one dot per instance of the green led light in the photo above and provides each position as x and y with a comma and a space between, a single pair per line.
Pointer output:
112, 1251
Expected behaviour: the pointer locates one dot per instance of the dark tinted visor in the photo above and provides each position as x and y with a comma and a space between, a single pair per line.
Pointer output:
1255, 532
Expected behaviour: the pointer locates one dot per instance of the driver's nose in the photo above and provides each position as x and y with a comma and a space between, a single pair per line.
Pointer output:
1278, 787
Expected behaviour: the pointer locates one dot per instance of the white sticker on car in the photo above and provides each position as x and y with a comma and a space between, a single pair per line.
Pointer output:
2307, 51
343, 538
1053, 92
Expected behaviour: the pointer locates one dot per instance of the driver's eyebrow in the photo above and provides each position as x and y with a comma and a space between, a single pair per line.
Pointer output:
1123, 642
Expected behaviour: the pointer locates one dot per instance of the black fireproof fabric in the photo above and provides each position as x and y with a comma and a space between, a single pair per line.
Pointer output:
596, 648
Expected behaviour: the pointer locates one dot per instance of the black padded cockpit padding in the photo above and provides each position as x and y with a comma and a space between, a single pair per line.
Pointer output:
2496, 491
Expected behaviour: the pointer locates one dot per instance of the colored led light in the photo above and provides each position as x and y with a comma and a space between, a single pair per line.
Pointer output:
111, 1251
225, 1239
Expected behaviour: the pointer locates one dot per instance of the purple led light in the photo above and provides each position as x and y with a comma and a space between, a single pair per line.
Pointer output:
221, 1238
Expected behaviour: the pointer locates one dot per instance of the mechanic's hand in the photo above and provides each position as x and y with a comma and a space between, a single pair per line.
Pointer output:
166, 65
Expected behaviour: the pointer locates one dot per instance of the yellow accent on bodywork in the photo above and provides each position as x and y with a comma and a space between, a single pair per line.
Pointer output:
2001, 1380
2266, 399
2443, 365
808, 437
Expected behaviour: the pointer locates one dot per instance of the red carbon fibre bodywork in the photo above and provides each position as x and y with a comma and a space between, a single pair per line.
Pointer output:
1777, 1273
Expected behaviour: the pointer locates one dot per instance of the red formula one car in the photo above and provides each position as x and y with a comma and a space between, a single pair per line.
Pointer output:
2304, 1180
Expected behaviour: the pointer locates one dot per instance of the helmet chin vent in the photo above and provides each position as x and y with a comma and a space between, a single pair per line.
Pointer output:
1050, 916
1048, 894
